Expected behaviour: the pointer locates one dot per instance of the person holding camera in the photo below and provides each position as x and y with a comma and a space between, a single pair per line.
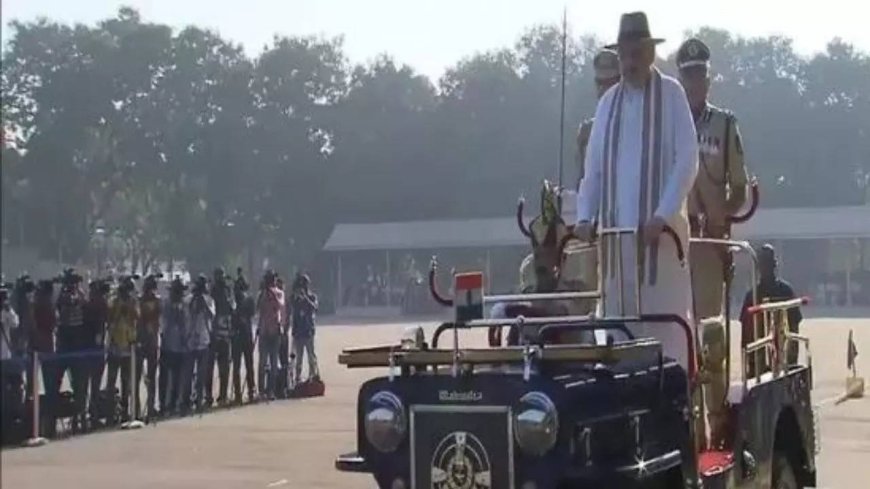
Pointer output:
8, 329
96, 317
243, 338
173, 348
22, 304
270, 305
123, 318
304, 306
71, 339
201, 314
147, 335
219, 349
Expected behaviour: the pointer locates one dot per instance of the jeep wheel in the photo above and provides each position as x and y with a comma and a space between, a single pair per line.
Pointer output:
783, 473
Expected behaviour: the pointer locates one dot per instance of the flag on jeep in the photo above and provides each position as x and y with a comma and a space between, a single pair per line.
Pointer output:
851, 352
468, 298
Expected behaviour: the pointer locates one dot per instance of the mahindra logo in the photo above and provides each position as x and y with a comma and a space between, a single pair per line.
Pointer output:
454, 396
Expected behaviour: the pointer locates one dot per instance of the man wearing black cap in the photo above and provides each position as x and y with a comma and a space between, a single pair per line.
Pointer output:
720, 188
243, 338
771, 288
640, 166
606, 67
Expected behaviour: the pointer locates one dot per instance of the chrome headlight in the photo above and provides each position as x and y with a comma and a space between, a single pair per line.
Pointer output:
536, 424
385, 421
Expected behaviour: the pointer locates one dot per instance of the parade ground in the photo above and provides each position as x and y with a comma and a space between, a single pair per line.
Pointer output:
292, 443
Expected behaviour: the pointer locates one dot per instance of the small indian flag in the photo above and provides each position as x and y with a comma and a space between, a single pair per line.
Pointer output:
468, 298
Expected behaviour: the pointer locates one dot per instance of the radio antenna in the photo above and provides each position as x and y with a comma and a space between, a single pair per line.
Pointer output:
562, 101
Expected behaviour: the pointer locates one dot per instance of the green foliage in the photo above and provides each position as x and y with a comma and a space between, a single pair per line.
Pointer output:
183, 147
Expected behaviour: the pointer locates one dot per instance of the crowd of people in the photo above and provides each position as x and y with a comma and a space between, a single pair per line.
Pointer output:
172, 342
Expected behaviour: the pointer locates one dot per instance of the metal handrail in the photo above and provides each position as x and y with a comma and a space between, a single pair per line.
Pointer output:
542, 296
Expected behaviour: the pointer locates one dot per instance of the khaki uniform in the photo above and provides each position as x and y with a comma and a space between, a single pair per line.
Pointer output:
583, 135
719, 192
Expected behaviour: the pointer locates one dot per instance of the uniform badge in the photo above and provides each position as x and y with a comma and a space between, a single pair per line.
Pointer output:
693, 50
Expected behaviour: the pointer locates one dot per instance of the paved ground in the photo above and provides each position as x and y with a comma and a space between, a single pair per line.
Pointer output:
292, 444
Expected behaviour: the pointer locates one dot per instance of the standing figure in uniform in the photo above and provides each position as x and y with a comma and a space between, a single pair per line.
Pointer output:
148, 335
718, 194
720, 188
640, 166
606, 66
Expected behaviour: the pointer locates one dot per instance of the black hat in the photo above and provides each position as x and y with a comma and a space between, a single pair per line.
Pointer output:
151, 281
693, 52
240, 284
177, 285
634, 26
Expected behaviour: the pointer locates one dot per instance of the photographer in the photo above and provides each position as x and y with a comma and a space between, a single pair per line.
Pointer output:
304, 307
173, 348
201, 314
42, 342
243, 339
219, 350
148, 340
11, 373
270, 305
96, 316
123, 317
22, 304
71, 339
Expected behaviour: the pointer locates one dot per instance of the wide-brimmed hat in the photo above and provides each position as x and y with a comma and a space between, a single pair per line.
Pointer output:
634, 26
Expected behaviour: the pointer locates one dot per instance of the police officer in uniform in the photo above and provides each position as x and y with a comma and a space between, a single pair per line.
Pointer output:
606, 66
719, 193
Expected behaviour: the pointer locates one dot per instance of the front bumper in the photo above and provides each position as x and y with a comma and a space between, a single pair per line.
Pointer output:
351, 462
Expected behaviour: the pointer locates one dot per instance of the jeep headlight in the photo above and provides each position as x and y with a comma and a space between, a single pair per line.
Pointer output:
385, 421
536, 424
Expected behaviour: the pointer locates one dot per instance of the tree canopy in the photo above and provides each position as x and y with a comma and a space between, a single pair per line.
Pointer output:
179, 145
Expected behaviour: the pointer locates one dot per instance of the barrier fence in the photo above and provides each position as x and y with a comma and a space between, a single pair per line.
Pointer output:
41, 390
75, 370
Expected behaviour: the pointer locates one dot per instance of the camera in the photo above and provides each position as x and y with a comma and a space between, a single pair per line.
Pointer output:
101, 286
127, 284
24, 284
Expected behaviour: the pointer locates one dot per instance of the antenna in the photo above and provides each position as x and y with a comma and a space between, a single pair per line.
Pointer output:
562, 101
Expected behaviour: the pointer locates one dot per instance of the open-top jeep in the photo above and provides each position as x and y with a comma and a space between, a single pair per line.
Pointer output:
611, 412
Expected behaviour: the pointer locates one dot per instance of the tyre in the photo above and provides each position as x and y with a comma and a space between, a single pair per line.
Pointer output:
783, 476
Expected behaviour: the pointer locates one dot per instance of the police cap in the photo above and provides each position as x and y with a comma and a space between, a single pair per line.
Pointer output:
693, 52
606, 64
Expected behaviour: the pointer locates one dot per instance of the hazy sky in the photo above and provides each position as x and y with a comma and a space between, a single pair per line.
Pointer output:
433, 34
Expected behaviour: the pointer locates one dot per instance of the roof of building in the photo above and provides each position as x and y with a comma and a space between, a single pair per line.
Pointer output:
767, 224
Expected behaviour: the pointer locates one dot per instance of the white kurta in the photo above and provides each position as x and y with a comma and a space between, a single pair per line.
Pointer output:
671, 293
